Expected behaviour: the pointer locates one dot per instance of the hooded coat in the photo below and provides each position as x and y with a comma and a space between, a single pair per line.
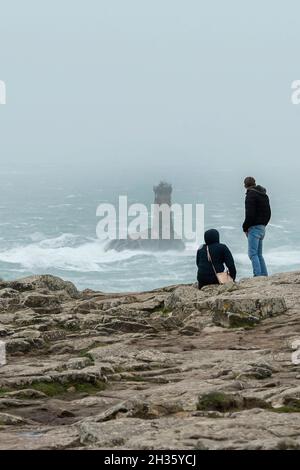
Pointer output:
220, 255
257, 207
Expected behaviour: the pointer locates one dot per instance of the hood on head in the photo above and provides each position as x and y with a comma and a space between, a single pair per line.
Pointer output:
211, 236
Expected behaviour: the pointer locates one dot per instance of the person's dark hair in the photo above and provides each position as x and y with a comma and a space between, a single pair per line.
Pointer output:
249, 181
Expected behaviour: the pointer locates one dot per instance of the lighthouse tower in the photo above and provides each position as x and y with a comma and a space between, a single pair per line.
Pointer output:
163, 195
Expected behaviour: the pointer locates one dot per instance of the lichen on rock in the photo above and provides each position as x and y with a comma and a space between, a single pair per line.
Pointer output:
174, 368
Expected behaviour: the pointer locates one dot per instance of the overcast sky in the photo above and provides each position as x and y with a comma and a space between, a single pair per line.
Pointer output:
105, 84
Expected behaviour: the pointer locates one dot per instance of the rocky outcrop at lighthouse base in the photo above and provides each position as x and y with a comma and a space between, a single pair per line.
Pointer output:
154, 239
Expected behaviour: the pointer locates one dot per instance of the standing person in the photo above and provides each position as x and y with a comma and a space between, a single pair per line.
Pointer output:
258, 215
211, 258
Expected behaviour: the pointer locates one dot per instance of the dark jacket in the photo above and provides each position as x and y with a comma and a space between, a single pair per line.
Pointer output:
220, 255
257, 206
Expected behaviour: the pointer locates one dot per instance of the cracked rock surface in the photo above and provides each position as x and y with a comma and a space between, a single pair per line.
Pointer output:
174, 368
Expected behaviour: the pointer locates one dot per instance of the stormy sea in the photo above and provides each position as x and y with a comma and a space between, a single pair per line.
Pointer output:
49, 226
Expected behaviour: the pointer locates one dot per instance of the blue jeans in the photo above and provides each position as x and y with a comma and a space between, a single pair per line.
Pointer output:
256, 234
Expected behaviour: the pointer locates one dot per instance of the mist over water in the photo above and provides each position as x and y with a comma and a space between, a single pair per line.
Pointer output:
53, 229
111, 98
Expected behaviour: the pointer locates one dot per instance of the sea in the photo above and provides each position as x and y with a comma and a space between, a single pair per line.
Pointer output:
48, 225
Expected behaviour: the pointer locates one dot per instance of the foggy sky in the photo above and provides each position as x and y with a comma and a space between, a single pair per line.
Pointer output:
104, 85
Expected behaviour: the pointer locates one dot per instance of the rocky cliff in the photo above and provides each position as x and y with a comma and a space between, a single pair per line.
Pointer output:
175, 368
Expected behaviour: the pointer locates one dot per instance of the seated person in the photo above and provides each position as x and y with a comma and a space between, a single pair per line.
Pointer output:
220, 255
